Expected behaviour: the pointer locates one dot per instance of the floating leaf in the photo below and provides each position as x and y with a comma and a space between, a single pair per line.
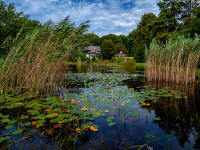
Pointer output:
12, 122
9, 127
2, 139
24, 117
157, 118
18, 131
111, 123
5, 120
27, 124
52, 115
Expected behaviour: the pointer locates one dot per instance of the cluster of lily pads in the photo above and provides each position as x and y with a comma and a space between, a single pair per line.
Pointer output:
103, 95
153, 94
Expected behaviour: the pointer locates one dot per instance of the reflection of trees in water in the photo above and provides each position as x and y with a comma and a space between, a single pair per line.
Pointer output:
180, 116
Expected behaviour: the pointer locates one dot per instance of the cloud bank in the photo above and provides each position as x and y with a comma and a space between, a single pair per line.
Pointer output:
105, 16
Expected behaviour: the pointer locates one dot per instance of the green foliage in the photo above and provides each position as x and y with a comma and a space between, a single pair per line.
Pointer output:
140, 37
41, 53
11, 22
114, 38
107, 49
92, 39
169, 61
119, 48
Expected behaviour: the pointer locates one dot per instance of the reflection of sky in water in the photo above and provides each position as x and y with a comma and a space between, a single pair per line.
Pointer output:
134, 125
129, 129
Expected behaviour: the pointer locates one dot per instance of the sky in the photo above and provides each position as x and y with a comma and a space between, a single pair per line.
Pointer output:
105, 16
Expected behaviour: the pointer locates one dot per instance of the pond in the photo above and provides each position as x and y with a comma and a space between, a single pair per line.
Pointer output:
116, 108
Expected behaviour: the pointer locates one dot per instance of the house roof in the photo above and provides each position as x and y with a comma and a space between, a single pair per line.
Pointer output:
93, 49
121, 54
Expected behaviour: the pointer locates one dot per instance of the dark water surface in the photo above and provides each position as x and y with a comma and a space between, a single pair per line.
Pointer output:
177, 129
170, 123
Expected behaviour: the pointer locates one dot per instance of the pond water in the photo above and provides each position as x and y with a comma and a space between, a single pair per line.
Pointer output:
125, 111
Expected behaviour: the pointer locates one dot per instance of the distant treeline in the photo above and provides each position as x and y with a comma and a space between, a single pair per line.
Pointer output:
176, 17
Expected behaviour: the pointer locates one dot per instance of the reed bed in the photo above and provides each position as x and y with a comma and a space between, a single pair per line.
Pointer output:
175, 61
35, 62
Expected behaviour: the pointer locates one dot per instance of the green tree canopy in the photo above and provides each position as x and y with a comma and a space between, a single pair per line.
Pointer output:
140, 37
114, 38
92, 39
107, 49
11, 22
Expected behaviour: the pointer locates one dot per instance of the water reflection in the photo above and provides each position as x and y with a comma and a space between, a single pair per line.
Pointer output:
178, 128
179, 117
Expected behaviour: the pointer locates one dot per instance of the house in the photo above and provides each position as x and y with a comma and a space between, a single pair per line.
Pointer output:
93, 52
120, 54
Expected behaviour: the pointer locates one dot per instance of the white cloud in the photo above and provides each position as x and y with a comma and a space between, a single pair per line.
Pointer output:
106, 16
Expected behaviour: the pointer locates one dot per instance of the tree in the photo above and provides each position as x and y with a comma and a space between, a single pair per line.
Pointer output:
92, 39
107, 49
191, 25
140, 37
11, 22
114, 38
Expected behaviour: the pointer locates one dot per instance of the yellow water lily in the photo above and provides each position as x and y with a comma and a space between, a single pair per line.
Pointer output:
84, 108
73, 101
18, 103
92, 128
78, 130
146, 104
34, 123
52, 115
48, 110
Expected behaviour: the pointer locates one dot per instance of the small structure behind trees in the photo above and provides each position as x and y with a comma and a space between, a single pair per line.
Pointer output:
93, 52
120, 54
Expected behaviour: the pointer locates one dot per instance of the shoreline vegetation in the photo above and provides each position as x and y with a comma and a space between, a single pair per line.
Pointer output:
34, 71
175, 61
36, 62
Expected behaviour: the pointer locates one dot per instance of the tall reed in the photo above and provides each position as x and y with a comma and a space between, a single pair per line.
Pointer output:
36, 61
175, 61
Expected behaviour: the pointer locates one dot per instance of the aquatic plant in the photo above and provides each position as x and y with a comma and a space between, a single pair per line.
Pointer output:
69, 117
36, 62
175, 61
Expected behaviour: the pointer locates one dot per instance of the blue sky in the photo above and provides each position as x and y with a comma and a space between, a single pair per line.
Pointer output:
105, 16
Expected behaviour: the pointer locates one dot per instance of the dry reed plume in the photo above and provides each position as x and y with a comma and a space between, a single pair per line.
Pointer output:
176, 61
35, 62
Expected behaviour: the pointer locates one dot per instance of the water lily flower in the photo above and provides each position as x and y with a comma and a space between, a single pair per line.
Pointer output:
48, 110
34, 123
84, 108
57, 125
78, 130
92, 128
146, 104
73, 101
19, 103
49, 132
